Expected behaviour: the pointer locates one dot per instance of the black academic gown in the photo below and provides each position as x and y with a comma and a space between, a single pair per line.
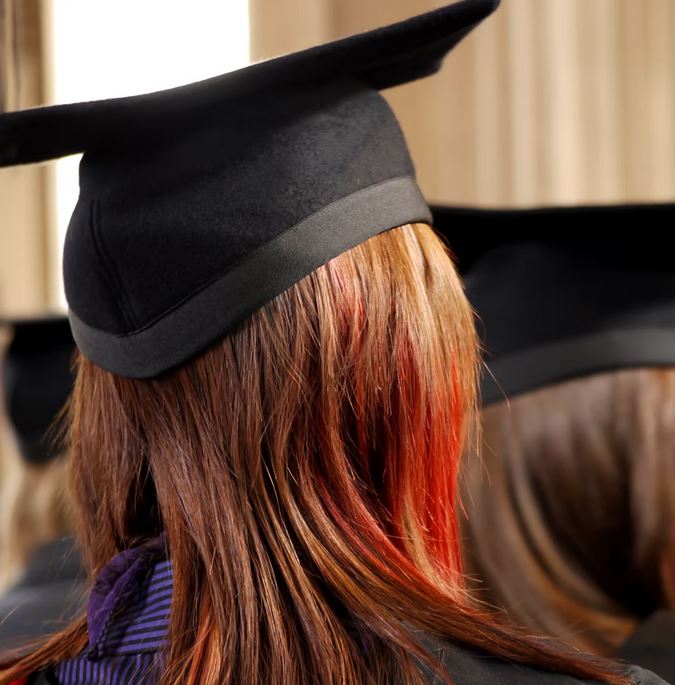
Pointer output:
136, 584
468, 667
46, 598
652, 645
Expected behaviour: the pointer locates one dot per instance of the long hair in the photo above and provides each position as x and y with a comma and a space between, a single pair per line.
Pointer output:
571, 521
304, 472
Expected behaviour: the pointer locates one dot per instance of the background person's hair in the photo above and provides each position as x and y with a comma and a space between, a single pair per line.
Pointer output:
571, 519
33, 510
304, 470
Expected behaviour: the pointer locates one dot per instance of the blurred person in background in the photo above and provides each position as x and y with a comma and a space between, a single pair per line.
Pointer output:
570, 516
40, 568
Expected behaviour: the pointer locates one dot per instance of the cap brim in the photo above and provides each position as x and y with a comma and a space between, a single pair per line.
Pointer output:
381, 58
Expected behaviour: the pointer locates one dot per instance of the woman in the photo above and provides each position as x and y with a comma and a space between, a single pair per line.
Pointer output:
571, 519
270, 404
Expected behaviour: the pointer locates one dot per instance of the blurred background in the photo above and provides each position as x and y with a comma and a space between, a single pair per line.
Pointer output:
549, 102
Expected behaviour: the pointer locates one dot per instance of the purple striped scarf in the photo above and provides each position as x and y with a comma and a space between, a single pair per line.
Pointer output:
128, 616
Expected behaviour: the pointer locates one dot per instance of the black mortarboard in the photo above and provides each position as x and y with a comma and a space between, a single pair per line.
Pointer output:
200, 204
565, 292
36, 382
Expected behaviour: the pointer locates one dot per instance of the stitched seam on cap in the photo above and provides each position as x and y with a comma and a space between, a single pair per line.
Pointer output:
127, 304
106, 268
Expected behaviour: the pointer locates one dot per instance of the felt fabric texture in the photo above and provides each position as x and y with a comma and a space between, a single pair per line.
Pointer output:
37, 379
253, 281
162, 224
200, 204
556, 298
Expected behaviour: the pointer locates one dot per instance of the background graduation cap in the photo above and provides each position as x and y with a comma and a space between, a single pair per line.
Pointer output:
36, 381
200, 204
561, 293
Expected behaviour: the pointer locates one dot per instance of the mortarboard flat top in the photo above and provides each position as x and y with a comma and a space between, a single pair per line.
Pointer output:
200, 204
36, 381
560, 293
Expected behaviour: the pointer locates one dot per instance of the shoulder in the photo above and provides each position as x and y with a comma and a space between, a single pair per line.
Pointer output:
470, 667
639, 676
652, 646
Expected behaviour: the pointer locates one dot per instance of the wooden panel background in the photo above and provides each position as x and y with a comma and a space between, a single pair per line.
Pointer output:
550, 101
25, 209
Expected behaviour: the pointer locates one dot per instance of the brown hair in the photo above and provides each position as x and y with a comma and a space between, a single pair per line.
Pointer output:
304, 471
571, 518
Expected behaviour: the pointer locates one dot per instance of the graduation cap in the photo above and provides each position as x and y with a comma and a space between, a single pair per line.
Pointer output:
560, 293
200, 204
36, 381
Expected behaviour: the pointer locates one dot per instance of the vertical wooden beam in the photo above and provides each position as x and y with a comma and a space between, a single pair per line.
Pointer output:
524, 105
600, 102
23, 229
281, 26
634, 104
660, 98
492, 143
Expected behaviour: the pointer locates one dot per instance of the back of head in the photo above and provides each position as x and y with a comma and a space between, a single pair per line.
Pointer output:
571, 514
302, 468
